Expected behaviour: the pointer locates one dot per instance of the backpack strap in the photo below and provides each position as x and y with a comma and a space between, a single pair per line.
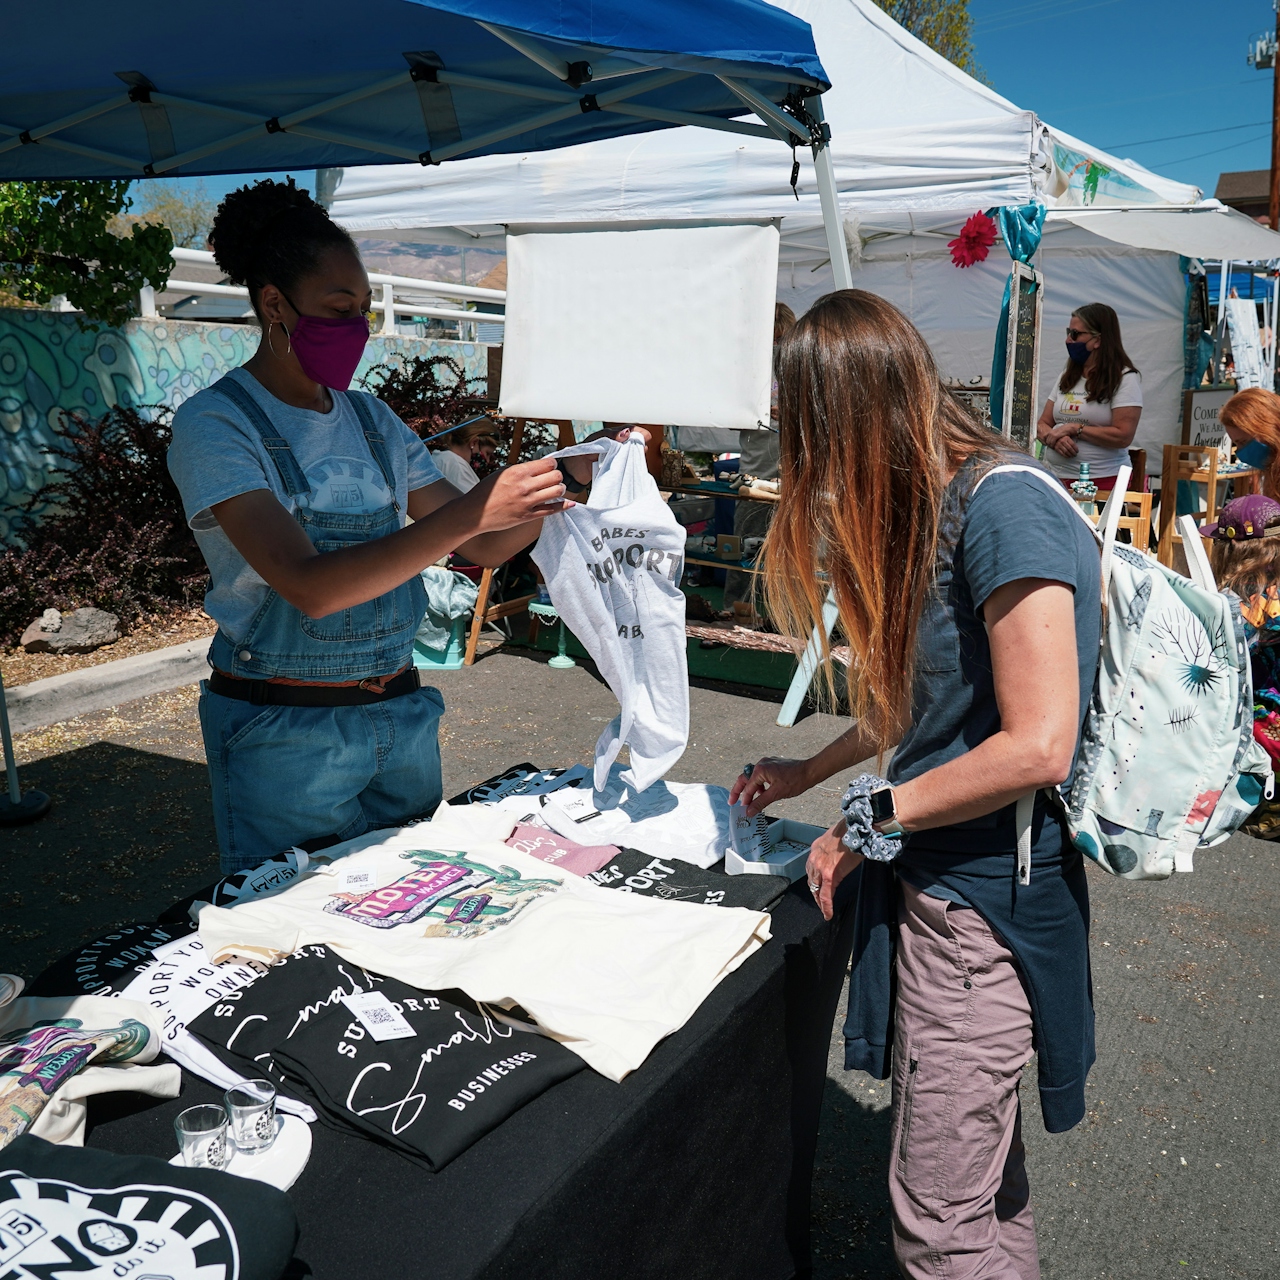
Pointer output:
1109, 521
1197, 561
277, 447
1106, 538
373, 438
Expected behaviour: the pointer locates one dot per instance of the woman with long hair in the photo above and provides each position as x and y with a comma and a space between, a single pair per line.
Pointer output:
970, 605
1252, 420
1093, 413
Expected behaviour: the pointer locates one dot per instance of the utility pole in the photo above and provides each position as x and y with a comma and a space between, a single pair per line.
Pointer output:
1273, 208
1262, 57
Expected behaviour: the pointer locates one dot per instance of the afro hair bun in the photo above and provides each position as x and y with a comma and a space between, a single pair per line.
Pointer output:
272, 232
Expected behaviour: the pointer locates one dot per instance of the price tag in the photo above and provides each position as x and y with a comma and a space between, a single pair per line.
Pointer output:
575, 804
378, 1016
358, 880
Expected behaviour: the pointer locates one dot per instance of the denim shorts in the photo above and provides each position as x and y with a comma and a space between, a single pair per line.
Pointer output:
281, 775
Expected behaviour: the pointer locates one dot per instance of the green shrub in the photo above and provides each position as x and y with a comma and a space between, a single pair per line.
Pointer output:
114, 536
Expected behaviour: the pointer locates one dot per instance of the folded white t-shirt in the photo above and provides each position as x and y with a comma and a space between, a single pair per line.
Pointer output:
444, 904
179, 985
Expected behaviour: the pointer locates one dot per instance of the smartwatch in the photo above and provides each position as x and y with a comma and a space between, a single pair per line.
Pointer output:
884, 813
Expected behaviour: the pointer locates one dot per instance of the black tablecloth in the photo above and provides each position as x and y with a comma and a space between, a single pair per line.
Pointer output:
699, 1164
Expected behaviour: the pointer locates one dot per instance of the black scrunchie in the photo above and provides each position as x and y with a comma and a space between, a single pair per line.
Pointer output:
860, 838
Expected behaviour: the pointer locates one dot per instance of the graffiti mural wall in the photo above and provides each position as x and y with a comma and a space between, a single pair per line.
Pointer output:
49, 365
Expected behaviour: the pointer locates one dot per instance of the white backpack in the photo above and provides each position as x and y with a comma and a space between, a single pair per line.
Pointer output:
1168, 761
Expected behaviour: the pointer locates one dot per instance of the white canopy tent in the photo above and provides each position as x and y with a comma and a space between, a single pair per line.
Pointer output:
917, 147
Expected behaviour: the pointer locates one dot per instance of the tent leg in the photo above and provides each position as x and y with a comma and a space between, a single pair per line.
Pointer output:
841, 272
808, 666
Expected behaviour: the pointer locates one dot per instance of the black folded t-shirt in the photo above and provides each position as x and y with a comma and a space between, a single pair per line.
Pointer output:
105, 965
431, 1096
676, 881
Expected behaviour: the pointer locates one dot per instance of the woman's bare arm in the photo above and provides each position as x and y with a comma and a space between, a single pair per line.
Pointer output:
275, 545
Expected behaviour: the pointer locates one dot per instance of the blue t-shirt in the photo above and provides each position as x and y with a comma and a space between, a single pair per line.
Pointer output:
1013, 527
216, 454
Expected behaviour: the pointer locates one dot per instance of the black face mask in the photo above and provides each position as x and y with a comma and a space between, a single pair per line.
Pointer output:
1078, 352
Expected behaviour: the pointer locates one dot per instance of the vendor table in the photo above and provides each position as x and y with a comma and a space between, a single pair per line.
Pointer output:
697, 1165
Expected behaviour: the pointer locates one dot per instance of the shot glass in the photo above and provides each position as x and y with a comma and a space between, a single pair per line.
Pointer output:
202, 1137
251, 1107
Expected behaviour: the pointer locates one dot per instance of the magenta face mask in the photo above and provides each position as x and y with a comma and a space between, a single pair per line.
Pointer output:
329, 349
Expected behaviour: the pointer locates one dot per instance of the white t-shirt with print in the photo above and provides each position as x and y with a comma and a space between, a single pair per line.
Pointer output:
1074, 406
216, 455
447, 904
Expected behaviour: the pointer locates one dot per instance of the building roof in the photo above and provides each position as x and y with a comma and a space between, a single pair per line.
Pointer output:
1246, 185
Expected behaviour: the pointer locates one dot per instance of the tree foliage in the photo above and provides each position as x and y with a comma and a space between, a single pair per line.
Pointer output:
116, 537
946, 26
55, 238
186, 209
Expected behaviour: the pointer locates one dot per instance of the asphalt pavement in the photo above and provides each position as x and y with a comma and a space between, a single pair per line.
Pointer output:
1173, 1171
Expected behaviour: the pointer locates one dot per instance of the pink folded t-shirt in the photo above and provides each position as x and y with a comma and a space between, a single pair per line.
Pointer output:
581, 859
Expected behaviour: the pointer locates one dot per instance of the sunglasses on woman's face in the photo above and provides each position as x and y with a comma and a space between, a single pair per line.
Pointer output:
1074, 335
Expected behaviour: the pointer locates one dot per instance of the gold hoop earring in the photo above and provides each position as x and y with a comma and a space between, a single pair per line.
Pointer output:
271, 345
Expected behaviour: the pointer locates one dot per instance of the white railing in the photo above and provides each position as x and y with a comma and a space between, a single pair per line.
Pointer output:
394, 296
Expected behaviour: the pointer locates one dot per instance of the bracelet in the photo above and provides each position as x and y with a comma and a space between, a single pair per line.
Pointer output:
570, 484
860, 836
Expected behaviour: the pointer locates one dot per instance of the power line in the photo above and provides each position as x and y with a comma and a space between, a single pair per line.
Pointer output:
1217, 150
1175, 137
1051, 12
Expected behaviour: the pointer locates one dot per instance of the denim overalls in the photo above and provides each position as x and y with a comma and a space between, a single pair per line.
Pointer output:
285, 774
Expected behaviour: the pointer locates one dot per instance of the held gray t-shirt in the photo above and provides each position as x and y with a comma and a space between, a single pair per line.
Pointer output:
1014, 527
216, 455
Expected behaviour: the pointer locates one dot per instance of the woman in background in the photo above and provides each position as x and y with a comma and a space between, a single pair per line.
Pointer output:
758, 456
1094, 411
454, 455
1252, 420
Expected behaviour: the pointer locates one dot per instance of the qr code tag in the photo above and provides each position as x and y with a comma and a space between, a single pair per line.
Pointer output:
358, 880
378, 1016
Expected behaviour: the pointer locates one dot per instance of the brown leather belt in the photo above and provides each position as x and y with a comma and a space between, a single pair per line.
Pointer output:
295, 693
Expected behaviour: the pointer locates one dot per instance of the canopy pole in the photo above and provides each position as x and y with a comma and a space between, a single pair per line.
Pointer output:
1220, 329
841, 271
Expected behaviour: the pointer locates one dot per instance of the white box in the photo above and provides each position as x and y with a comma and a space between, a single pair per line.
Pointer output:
788, 853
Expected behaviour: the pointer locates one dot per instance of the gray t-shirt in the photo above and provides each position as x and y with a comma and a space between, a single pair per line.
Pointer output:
216, 455
1013, 527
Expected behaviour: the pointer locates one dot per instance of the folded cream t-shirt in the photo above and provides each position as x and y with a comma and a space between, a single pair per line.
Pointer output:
446, 904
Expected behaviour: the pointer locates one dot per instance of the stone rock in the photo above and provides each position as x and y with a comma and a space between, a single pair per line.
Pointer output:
81, 631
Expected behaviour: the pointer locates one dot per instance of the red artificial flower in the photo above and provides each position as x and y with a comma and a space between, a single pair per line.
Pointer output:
974, 241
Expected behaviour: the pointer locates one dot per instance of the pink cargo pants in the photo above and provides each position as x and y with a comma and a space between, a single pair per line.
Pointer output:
957, 1174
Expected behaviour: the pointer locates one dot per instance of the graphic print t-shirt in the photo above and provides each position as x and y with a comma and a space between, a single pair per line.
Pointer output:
216, 454
78, 1211
1075, 406
446, 904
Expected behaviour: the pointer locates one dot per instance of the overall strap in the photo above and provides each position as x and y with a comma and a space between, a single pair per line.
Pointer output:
295, 483
373, 437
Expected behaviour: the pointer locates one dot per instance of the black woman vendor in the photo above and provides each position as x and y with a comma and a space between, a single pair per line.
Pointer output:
297, 490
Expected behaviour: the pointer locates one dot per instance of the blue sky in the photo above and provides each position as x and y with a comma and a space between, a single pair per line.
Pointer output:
1121, 74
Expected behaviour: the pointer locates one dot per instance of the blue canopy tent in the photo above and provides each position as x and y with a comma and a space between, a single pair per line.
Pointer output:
137, 90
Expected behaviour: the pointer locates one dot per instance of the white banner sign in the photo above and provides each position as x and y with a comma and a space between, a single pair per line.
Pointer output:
668, 325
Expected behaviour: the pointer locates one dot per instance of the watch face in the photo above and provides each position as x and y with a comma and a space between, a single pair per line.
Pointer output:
882, 806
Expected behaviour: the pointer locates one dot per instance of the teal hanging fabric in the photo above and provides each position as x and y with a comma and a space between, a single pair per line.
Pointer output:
1197, 342
1021, 226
